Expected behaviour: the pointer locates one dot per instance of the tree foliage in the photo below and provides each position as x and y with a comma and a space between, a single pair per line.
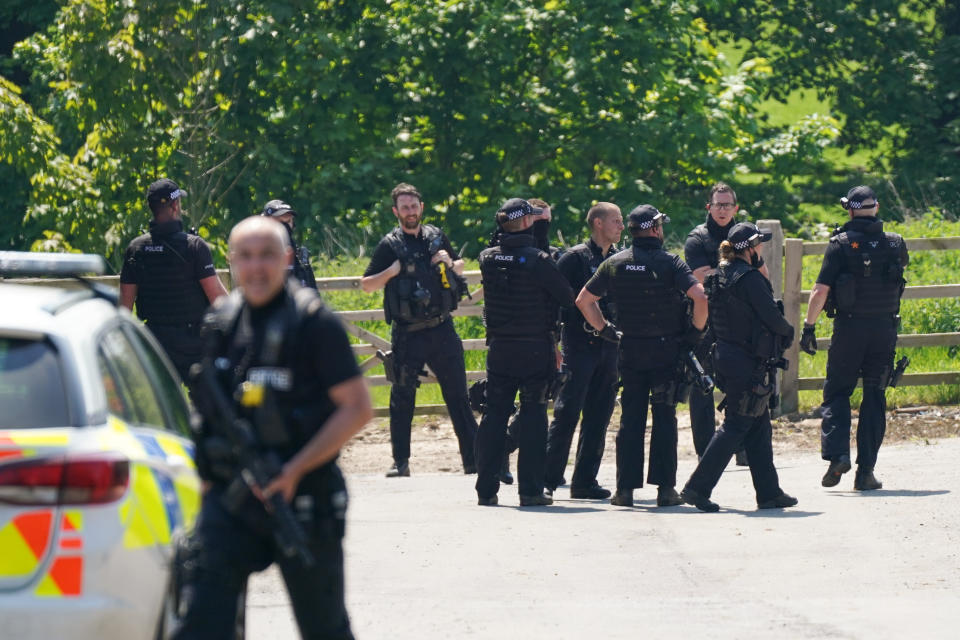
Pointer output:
888, 67
329, 103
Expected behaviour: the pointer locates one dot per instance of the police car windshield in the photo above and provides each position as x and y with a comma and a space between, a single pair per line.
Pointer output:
31, 387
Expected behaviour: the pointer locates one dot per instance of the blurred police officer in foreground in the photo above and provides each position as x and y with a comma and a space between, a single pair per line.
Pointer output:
522, 292
752, 335
277, 335
860, 283
649, 289
591, 365
170, 276
414, 263
300, 268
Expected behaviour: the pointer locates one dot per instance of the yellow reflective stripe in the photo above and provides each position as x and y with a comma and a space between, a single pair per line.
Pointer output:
172, 447
188, 494
34, 438
147, 522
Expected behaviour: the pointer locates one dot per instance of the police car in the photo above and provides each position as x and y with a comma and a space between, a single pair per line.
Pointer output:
97, 479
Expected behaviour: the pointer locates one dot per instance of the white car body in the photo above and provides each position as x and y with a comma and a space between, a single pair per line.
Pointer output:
91, 559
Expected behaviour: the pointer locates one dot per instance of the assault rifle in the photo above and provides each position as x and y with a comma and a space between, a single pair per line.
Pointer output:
696, 374
257, 469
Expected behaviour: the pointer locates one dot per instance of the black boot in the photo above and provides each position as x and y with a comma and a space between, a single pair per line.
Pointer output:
865, 480
622, 498
400, 469
782, 501
668, 497
699, 501
836, 469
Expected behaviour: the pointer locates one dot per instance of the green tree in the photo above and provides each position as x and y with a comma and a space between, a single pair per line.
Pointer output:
889, 68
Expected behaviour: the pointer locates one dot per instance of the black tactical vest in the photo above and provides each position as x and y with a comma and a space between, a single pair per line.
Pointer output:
516, 305
589, 262
167, 289
417, 293
871, 280
295, 404
731, 317
648, 304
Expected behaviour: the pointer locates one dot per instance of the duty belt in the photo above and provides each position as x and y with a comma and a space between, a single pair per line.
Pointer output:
426, 324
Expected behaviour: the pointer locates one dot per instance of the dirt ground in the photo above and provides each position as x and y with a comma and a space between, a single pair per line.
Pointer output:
434, 447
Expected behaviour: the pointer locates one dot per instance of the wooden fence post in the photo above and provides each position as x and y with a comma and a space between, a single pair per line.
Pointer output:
773, 254
792, 278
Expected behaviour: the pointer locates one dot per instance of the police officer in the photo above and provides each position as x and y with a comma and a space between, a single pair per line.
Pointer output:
751, 335
278, 336
591, 365
702, 255
416, 264
649, 288
170, 276
522, 291
860, 282
300, 269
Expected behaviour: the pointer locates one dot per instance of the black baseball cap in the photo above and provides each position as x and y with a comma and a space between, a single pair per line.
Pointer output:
163, 191
517, 208
645, 216
746, 234
276, 208
861, 197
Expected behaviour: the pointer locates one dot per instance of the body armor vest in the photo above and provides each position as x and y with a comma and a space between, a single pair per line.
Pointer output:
648, 304
415, 294
516, 305
589, 262
731, 318
293, 407
167, 290
871, 281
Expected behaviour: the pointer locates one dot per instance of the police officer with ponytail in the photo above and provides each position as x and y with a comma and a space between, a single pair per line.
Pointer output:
523, 291
860, 284
416, 264
649, 289
751, 335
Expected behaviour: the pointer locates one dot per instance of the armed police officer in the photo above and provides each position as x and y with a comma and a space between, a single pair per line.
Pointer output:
702, 255
751, 335
280, 363
522, 291
300, 267
860, 282
591, 365
169, 274
649, 289
417, 265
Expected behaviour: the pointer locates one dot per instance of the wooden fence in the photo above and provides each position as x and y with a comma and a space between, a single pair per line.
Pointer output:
785, 275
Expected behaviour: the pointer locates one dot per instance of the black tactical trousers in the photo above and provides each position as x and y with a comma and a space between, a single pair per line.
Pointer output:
753, 434
441, 349
230, 549
526, 366
182, 344
703, 413
592, 389
861, 347
637, 387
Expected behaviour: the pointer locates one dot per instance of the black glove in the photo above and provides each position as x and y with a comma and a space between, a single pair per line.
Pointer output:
610, 333
808, 339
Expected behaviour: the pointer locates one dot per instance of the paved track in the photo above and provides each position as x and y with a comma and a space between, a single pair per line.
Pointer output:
424, 561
